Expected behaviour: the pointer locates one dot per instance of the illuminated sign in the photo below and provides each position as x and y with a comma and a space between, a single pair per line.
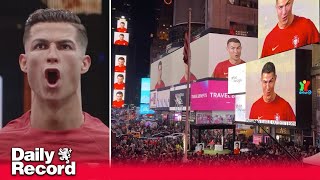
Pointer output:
304, 87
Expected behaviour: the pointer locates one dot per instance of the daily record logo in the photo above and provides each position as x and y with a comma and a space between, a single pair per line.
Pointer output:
40, 155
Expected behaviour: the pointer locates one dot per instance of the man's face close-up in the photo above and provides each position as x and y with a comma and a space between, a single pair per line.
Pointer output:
268, 81
234, 50
284, 11
119, 97
120, 80
121, 37
121, 25
121, 62
53, 60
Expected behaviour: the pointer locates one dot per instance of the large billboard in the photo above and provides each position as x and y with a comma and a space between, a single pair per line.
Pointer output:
206, 53
145, 109
214, 117
285, 25
270, 89
211, 95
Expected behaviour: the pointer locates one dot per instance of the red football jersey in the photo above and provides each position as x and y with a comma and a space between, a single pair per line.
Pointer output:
119, 69
279, 108
89, 143
122, 30
160, 85
192, 78
119, 86
122, 43
221, 70
118, 104
301, 32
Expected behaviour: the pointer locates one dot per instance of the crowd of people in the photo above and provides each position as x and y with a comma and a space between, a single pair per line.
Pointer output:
161, 151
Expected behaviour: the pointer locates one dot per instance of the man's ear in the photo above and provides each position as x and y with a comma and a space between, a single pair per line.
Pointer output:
23, 63
86, 63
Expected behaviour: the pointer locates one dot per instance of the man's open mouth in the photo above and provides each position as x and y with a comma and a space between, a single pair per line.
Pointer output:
52, 76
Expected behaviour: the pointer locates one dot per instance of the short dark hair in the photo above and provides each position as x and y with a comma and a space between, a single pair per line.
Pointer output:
269, 68
235, 40
120, 75
56, 16
122, 22
121, 58
121, 34
119, 92
237, 143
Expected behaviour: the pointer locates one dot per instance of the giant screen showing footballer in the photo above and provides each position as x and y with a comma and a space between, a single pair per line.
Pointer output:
271, 90
286, 24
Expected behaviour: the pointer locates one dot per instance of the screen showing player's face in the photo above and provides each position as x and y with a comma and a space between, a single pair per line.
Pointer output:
120, 79
121, 37
268, 81
234, 50
119, 97
120, 62
122, 25
237, 146
284, 12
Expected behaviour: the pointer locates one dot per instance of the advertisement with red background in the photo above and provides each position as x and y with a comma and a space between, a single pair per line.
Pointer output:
211, 95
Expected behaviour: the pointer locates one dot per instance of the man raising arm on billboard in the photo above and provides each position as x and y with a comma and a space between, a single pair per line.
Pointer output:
234, 49
290, 32
271, 106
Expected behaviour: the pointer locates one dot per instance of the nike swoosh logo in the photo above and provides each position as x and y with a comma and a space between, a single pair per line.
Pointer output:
259, 117
225, 73
274, 48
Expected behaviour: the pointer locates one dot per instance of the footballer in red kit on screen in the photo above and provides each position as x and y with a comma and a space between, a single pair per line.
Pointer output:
120, 63
274, 100
121, 39
287, 24
119, 81
122, 25
118, 99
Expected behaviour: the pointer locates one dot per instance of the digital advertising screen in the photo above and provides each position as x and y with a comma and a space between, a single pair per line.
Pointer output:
120, 64
121, 39
270, 90
211, 95
145, 90
122, 25
118, 98
214, 117
237, 79
119, 81
206, 53
240, 108
220, 52
153, 99
178, 98
275, 32
145, 109
163, 99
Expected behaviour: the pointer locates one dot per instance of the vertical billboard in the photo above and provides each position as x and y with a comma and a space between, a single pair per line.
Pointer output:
211, 95
145, 90
121, 38
270, 89
286, 25
237, 79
